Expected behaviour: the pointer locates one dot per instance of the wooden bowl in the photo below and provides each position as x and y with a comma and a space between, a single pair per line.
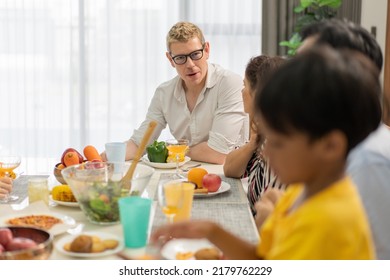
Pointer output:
58, 175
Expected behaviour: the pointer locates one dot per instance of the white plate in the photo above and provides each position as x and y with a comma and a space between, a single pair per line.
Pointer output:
67, 221
161, 165
64, 203
174, 246
59, 245
223, 188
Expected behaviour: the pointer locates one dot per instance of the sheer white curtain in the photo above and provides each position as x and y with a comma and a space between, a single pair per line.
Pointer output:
79, 72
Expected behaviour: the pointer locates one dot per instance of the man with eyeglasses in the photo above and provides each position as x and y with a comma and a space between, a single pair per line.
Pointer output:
202, 103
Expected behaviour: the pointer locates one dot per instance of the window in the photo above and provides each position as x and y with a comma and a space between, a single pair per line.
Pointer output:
79, 72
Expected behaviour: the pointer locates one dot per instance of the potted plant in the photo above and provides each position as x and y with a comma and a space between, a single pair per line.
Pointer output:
311, 11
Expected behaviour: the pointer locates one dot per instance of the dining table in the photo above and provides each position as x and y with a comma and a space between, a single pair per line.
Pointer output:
230, 209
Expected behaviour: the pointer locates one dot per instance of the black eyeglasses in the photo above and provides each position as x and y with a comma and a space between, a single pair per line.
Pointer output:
182, 58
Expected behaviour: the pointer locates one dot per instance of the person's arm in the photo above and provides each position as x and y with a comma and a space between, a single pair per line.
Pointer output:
237, 160
231, 246
229, 127
202, 152
131, 149
266, 205
372, 182
5, 186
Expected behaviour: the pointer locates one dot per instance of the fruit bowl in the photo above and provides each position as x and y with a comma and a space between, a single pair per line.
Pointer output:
58, 175
41, 251
97, 187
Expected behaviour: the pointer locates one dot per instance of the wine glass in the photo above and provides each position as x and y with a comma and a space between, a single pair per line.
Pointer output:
7, 165
177, 149
170, 198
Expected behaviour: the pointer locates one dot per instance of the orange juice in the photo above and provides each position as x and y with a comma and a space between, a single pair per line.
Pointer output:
170, 210
7, 167
173, 198
184, 212
177, 150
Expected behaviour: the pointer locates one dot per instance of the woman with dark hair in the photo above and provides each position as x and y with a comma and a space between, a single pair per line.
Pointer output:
248, 160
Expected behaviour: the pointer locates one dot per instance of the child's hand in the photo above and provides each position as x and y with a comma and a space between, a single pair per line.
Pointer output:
265, 206
191, 229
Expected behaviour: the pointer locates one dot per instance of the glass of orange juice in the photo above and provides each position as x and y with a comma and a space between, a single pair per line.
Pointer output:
177, 151
175, 198
170, 198
184, 213
7, 165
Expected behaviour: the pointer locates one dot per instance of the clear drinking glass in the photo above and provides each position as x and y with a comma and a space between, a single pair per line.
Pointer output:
177, 149
170, 198
7, 165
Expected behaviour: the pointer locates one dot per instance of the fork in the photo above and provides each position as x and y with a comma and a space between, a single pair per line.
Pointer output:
189, 167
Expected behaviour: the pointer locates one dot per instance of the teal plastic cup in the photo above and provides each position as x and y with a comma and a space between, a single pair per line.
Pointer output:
134, 214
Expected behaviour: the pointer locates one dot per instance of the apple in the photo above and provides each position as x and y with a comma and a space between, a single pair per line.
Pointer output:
20, 243
212, 182
81, 158
5, 236
2, 249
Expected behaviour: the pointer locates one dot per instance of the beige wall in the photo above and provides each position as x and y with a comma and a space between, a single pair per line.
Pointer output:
374, 13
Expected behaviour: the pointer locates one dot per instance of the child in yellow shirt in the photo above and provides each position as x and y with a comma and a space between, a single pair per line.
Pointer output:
313, 111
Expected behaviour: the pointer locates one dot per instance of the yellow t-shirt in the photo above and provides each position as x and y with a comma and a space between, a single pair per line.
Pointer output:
328, 226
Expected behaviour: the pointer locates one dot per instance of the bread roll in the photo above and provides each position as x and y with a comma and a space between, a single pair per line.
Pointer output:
81, 244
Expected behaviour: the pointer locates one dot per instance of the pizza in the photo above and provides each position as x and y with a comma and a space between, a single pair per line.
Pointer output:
40, 221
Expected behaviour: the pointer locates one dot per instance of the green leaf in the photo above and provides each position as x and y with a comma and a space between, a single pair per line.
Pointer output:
292, 52
303, 21
292, 44
307, 3
298, 9
285, 44
330, 3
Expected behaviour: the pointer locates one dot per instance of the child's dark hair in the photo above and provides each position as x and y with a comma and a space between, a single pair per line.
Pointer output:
323, 90
344, 34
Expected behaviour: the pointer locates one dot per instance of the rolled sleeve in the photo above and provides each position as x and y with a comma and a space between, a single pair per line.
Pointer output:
220, 143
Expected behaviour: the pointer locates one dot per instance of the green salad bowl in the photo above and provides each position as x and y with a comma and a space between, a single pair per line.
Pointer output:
98, 186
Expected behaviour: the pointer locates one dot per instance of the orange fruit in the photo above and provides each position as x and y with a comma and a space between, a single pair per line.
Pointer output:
195, 175
71, 158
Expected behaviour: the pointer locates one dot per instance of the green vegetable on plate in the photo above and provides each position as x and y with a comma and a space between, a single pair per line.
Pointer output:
157, 152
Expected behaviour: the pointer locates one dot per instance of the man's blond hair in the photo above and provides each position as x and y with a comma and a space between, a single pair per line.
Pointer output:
182, 32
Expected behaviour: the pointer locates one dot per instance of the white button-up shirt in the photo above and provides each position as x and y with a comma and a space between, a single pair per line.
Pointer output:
218, 116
